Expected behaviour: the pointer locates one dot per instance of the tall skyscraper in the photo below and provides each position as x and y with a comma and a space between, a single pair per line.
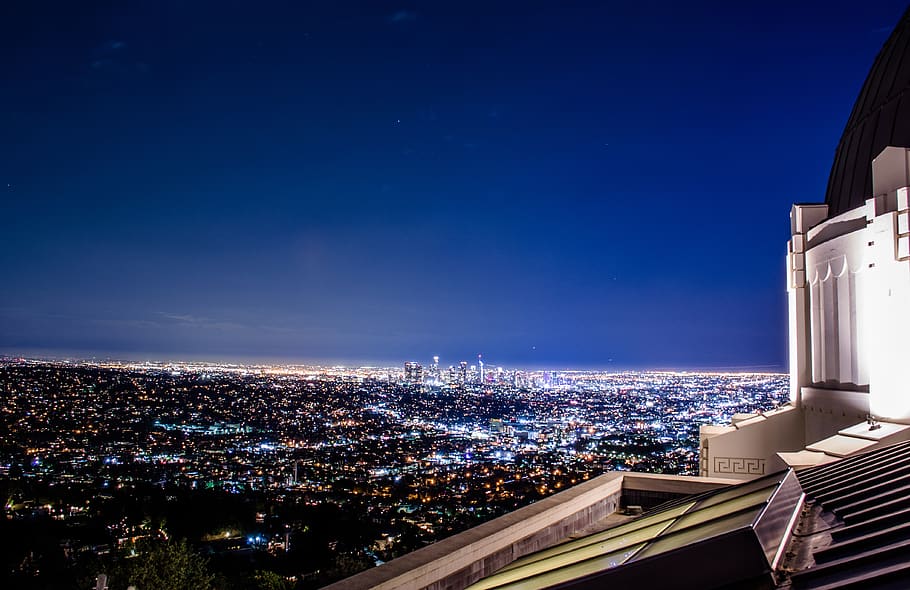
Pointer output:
434, 372
413, 372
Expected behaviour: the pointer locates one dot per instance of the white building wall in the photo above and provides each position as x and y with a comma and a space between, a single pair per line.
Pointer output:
848, 281
837, 277
889, 326
855, 304
801, 316
827, 411
749, 448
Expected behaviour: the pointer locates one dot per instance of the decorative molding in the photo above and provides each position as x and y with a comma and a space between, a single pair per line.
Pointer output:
739, 465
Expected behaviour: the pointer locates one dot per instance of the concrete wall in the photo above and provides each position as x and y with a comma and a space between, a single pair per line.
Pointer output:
827, 411
749, 448
889, 294
461, 560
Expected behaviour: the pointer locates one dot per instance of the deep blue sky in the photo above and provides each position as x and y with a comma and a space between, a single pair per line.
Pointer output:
548, 183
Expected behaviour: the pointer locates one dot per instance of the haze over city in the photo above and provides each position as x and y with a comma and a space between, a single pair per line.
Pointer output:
602, 185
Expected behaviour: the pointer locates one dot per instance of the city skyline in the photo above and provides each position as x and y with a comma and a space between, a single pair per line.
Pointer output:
388, 364
297, 471
363, 182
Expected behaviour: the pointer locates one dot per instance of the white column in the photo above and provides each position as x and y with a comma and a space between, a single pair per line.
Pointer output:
802, 218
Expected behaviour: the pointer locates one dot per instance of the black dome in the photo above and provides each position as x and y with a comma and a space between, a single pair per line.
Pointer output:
880, 117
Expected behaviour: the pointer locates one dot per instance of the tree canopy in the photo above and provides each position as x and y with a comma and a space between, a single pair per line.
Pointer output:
168, 566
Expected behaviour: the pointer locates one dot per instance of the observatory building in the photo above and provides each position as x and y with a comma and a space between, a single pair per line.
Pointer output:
848, 281
815, 494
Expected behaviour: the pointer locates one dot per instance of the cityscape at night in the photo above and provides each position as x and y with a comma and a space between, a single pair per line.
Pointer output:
318, 472
412, 295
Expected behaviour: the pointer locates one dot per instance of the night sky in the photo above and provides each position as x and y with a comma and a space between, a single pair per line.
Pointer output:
559, 184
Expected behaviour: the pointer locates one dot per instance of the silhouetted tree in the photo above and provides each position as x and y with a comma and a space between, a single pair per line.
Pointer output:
169, 566
268, 580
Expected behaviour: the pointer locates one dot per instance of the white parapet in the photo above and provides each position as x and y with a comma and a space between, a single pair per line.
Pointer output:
748, 448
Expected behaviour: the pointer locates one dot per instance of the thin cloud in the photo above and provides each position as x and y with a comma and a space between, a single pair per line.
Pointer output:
101, 64
113, 57
403, 16
183, 318
199, 321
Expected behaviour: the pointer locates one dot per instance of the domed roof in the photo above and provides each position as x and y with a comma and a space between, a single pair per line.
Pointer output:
880, 117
